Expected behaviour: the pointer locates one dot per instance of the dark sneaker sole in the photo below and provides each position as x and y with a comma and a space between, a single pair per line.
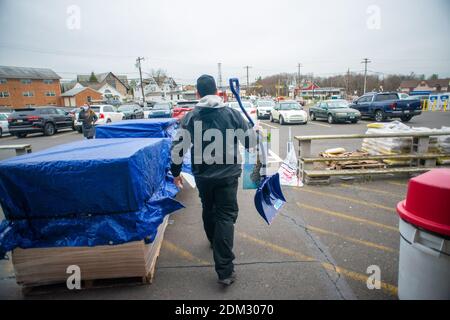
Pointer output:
228, 281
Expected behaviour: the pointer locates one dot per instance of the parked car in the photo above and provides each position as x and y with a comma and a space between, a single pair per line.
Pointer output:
131, 111
287, 111
47, 120
161, 110
334, 111
264, 108
106, 114
182, 108
146, 111
248, 106
386, 105
3, 124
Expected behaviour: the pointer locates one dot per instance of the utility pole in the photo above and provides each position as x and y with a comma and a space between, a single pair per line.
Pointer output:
365, 61
219, 77
347, 82
138, 62
248, 82
299, 65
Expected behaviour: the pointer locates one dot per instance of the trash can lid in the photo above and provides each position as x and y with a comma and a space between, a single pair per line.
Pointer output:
427, 203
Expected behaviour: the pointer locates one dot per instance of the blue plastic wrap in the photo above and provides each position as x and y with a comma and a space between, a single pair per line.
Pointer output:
100, 176
91, 230
146, 128
149, 128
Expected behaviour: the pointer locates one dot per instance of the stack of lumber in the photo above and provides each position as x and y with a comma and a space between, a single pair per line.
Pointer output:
44, 266
350, 164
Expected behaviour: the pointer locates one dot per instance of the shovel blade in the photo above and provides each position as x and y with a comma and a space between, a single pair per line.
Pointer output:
269, 198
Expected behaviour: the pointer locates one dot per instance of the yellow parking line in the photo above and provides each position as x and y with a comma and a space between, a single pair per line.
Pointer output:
347, 217
276, 248
350, 239
400, 184
327, 266
361, 202
319, 124
352, 186
183, 253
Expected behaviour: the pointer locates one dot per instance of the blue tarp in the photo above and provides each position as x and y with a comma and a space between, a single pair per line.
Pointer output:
149, 128
100, 176
91, 230
146, 128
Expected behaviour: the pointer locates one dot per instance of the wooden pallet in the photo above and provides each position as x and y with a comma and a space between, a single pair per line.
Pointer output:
43, 270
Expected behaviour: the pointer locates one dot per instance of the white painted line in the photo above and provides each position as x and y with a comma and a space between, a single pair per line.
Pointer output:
320, 124
270, 126
62, 134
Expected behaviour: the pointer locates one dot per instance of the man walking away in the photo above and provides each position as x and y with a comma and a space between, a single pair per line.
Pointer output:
216, 178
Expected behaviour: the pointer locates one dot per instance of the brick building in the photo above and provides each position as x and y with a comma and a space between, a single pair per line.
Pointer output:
78, 96
27, 87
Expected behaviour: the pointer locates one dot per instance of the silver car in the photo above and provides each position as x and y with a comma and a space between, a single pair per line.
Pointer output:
4, 123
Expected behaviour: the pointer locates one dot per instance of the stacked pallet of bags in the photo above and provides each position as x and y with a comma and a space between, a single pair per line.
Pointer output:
443, 144
86, 193
403, 145
388, 146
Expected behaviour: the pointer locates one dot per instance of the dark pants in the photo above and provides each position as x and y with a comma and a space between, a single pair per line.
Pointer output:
220, 211
88, 131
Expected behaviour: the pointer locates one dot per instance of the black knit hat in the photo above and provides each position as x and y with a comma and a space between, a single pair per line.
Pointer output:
206, 85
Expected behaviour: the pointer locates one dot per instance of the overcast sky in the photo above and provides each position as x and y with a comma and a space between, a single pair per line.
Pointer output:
188, 38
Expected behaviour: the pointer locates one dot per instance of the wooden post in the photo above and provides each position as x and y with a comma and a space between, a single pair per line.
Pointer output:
304, 152
421, 145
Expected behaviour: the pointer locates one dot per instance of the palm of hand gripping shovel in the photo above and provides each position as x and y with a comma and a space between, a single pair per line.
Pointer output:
269, 197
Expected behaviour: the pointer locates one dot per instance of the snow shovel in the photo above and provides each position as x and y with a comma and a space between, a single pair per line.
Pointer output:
268, 198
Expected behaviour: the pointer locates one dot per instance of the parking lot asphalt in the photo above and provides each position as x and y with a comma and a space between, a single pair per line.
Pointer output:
319, 247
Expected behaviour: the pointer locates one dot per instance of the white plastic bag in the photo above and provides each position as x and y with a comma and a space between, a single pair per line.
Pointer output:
288, 169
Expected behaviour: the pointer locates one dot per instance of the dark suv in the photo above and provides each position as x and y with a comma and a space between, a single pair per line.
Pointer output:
47, 120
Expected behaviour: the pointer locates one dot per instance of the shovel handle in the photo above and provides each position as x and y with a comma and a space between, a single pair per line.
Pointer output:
235, 89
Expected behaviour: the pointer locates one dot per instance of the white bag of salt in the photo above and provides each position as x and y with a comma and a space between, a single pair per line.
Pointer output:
288, 168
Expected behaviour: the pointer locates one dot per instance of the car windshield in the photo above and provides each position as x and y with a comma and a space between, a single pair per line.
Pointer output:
266, 103
95, 109
337, 104
161, 106
3, 117
126, 108
290, 106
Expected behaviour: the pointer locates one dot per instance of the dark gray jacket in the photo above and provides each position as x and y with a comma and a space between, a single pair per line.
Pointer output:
220, 118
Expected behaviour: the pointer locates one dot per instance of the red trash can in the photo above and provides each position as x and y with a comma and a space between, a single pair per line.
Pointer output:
424, 263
